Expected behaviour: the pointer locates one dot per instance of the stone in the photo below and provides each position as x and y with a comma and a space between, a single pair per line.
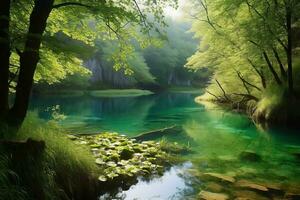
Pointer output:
205, 195
248, 195
250, 156
221, 177
252, 186
274, 188
214, 187
291, 196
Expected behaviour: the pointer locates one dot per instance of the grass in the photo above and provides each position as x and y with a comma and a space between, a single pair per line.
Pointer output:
119, 93
63, 170
190, 90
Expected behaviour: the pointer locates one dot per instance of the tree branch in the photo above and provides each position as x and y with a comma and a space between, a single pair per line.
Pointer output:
213, 95
249, 96
246, 82
70, 4
224, 93
260, 74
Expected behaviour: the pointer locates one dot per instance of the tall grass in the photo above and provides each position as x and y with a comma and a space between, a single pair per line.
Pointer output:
64, 170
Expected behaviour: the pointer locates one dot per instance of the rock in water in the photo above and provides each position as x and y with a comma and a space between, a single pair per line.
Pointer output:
214, 187
221, 177
251, 186
205, 195
248, 195
291, 196
250, 156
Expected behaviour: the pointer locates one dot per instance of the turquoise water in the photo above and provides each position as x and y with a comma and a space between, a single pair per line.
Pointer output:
216, 137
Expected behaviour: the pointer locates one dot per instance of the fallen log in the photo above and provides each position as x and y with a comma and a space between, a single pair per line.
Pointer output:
154, 134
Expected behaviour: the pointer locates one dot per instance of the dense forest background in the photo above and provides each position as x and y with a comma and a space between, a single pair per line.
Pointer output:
157, 66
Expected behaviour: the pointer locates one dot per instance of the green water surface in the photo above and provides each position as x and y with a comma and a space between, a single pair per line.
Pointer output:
216, 137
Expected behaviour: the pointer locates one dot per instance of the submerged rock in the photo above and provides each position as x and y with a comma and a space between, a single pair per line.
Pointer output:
248, 195
252, 186
274, 188
250, 156
214, 187
205, 195
292, 196
220, 177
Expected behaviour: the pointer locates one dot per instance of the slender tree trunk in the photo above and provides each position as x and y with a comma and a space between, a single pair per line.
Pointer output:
289, 48
4, 55
260, 74
271, 68
281, 67
29, 59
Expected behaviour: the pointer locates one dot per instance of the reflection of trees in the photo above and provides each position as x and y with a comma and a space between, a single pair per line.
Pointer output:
124, 114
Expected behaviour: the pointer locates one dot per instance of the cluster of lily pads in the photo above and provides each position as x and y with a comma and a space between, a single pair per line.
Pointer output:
121, 157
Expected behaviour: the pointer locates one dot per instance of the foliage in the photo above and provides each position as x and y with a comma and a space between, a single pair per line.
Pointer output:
167, 60
246, 44
83, 23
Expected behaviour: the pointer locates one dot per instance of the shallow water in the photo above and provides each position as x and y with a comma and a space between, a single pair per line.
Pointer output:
216, 137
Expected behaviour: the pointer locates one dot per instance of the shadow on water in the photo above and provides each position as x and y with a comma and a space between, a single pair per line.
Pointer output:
223, 143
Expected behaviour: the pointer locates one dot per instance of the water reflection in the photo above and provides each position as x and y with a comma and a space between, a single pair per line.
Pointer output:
218, 138
170, 186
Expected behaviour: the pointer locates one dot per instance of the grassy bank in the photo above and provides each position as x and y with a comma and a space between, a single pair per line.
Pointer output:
97, 93
61, 170
190, 90
55, 165
119, 93
274, 108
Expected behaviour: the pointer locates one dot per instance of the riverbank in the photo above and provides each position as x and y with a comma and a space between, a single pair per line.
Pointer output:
96, 93
274, 110
47, 163
116, 92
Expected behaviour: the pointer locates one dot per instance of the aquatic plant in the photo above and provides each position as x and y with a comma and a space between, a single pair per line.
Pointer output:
122, 158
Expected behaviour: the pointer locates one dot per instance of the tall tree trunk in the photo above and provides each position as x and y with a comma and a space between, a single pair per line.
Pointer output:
289, 47
29, 59
4, 55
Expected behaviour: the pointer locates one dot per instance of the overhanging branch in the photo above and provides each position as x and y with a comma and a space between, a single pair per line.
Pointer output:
70, 4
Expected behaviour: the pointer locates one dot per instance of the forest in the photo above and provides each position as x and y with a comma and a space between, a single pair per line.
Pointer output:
149, 99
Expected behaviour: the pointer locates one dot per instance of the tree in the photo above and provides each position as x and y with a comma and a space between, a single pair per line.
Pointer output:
249, 45
43, 18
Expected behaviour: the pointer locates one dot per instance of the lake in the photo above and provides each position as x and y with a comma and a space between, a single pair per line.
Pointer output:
225, 145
